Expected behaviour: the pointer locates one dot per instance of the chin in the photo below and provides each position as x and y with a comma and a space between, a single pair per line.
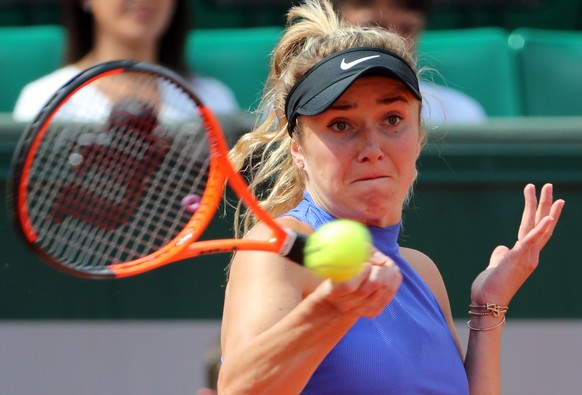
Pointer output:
375, 205
376, 193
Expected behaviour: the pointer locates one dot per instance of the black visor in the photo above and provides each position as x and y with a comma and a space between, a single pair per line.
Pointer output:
325, 82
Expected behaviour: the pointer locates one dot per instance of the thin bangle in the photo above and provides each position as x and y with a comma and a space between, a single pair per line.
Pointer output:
490, 309
502, 322
471, 312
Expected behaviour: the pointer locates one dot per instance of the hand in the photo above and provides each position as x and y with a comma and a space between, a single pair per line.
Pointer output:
509, 268
367, 294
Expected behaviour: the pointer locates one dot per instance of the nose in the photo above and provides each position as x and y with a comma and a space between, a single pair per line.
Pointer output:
370, 149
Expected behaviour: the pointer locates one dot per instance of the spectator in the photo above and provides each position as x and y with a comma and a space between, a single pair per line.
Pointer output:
153, 31
211, 368
408, 18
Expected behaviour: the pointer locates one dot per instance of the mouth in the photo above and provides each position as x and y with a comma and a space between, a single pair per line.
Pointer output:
143, 11
371, 178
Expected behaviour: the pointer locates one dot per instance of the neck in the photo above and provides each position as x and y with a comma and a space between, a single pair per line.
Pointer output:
106, 50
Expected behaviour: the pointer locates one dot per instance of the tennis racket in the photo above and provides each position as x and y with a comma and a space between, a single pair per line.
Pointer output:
121, 173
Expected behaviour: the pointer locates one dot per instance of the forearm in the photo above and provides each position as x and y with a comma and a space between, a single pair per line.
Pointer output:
482, 361
281, 359
508, 269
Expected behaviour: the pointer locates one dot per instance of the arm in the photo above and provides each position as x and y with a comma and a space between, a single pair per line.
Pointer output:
280, 321
507, 271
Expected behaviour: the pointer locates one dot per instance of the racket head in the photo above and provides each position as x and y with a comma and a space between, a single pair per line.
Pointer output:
118, 173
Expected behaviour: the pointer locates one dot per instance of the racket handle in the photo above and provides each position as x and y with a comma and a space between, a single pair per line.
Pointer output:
295, 250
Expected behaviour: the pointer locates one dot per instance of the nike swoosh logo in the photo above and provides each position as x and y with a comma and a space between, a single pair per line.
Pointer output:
348, 65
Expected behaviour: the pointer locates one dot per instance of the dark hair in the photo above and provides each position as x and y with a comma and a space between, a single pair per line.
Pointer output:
212, 363
80, 34
422, 6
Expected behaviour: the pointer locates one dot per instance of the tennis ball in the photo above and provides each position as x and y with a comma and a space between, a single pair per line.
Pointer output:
338, 250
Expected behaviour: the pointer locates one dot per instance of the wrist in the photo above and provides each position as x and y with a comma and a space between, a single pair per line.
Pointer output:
486, 317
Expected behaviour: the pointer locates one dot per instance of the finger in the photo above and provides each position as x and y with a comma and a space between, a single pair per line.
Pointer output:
546, 200
528, 218
378, 277
537, 238
356, 291
544, 230
348, 287
379, 259
384, 283
555, 213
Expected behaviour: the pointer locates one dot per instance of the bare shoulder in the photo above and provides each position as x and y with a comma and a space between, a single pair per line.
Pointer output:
428, 271
255, 265
421, 262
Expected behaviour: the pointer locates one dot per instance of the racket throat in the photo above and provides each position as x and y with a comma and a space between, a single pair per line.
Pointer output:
294, 246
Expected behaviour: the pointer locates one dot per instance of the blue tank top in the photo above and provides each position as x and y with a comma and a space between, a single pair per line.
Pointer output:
407, 349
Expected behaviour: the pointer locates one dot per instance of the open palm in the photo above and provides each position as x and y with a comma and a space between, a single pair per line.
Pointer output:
509, 268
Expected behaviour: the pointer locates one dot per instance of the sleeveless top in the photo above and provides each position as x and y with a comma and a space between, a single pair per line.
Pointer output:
407, 349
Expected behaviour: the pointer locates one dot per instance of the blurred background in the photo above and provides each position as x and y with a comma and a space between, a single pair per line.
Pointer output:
448, 14
522, 60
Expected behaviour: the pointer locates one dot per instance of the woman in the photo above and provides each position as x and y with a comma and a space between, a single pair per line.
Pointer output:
103, 30
342, 142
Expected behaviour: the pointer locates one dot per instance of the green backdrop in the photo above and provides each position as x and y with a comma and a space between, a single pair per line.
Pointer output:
549, 14
468, 199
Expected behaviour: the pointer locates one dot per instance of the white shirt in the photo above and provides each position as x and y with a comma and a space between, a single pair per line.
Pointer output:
446, 105
33, 97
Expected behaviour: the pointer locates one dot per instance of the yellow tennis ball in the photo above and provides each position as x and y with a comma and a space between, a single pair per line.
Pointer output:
338, 250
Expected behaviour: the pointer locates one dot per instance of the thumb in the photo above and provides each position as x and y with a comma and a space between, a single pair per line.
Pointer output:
497, 256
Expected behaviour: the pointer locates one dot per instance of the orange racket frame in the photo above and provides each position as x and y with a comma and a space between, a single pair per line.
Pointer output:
185, 244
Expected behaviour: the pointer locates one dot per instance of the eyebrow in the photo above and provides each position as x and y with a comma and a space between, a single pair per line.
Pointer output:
393, 99
383, 100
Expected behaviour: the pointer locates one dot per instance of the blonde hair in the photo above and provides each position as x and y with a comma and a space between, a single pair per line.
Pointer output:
314, 31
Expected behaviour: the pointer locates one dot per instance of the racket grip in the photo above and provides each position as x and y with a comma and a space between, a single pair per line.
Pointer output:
297, 250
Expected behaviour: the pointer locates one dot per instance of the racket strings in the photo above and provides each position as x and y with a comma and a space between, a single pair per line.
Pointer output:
108, 185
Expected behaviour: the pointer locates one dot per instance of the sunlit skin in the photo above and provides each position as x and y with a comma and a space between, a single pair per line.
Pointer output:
360, 155
280, 320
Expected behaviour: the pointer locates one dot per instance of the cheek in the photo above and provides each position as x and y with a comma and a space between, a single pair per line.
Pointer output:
325, 167
406, 155
326, 164
165, 16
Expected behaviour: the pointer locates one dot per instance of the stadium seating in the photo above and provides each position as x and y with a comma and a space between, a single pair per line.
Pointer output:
549, 66
523, 72
27, 53
238, 57
477, 62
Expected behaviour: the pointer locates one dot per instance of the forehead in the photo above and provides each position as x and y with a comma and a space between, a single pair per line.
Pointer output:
383, 13
377, 85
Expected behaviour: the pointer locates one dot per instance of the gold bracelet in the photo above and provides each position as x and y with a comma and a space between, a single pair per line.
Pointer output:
490, 309
480, 312
502, 322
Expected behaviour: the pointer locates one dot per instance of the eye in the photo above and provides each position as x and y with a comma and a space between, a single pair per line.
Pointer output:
340, 126
393, 120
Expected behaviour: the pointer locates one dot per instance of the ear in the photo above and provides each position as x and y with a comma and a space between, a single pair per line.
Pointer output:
422, 139
418, 149
297, 153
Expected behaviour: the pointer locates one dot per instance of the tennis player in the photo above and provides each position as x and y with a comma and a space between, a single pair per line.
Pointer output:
341, 141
